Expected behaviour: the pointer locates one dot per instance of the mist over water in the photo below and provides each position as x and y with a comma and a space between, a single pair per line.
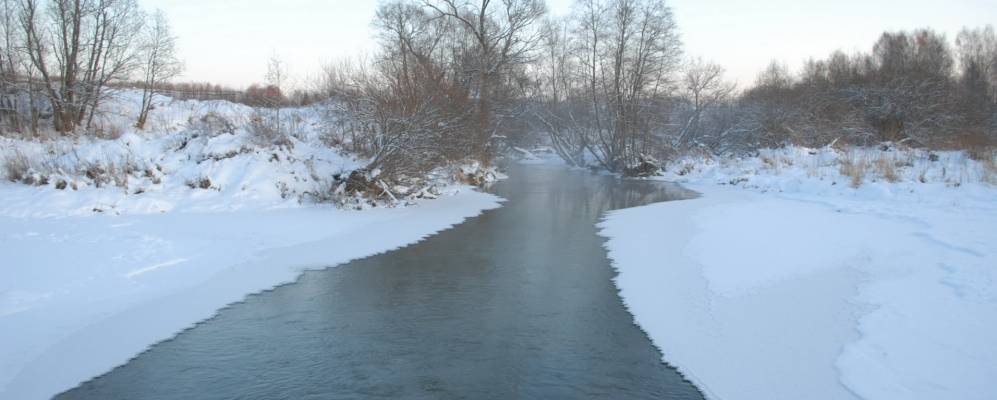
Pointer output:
516, 303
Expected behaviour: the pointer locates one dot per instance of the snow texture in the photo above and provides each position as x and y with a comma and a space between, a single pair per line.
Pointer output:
93, 276
787, 283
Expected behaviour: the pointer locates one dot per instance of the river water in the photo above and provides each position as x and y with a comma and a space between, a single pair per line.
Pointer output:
516, 303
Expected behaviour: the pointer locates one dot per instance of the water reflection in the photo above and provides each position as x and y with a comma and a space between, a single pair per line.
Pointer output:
517, 303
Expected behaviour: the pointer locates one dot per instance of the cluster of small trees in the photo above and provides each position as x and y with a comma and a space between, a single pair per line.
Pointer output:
607, 85
456, 79
60, 56
447, 82
605, 80
913, 87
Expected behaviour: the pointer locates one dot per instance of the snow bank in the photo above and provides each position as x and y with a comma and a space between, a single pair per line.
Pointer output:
194, 156
80, 295
866, 173
787, 285
118, 244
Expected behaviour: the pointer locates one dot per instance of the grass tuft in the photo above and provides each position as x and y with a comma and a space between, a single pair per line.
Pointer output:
853, 167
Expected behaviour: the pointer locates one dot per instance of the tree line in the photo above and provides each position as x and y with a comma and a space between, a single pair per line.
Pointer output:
59, 57
913, 87
608, 86
605, 86
458, 79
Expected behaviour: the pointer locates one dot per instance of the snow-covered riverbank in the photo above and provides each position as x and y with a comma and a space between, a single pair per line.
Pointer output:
80, 295
111, 245
791, 284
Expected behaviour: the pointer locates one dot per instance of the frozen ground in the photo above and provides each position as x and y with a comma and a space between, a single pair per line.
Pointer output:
156, 230
785, 282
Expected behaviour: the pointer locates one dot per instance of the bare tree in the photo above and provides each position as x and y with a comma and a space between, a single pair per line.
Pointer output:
113, 52
10, 63
977, 53
977, 49
78, 49
558, 94
276, 79
503, 37
159, 62
411, 111
629, 50
703, 88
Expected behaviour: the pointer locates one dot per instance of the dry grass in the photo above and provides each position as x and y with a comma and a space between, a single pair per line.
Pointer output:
989, 166
17, 167
770, 163
106, 131
855, 168
887, 168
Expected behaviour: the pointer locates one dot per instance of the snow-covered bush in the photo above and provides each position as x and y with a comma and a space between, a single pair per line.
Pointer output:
204, 155
211, 124
16, 166
266, 132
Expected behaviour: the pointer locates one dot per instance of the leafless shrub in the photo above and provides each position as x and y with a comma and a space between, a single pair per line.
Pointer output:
97, 174
104, 173
211, 124
265, 132
854, 167
406, 126
200, 183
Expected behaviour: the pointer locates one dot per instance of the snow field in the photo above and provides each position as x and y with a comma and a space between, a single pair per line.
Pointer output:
788, 284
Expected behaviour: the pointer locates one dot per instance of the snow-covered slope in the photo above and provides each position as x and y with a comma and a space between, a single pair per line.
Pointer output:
193, 156
166, 226
784, 282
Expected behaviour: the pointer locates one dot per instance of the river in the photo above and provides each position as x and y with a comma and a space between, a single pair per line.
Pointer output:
516, 303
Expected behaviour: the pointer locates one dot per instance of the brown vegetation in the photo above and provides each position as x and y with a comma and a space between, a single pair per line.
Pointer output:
855, 168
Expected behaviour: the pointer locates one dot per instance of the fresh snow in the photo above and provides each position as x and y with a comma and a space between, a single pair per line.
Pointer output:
783, 282
82, 294
186, 143
94, 275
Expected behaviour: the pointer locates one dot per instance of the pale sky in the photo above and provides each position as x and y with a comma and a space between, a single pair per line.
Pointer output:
229, 41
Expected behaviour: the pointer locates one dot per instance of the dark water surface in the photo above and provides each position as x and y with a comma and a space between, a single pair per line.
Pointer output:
516, 303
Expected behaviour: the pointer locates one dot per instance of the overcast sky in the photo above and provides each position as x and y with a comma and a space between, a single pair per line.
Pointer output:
228, 42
